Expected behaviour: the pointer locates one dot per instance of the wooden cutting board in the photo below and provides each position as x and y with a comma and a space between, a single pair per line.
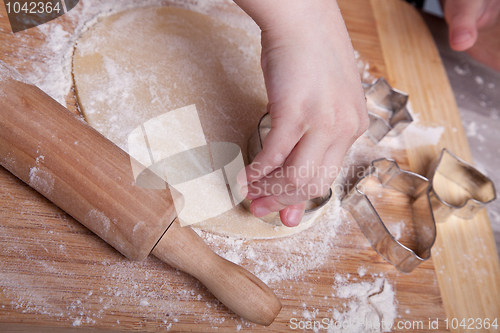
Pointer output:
55, 274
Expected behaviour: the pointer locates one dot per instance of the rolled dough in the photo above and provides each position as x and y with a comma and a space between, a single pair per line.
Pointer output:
138, 64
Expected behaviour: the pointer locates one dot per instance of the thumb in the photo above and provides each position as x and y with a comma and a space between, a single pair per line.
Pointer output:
462, 16
292, 215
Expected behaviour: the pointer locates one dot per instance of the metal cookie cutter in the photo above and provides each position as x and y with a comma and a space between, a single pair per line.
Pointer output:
415, 186
470, 187
254, 146
387, 110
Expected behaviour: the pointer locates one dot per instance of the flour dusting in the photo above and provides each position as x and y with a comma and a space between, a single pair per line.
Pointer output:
8, 72
371, 307
41, 180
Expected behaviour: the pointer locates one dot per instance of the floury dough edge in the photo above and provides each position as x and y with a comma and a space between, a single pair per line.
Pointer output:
142, 63
139, 64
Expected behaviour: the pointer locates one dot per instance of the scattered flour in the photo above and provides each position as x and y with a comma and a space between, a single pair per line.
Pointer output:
396, 228
363, 68
8, 72
427, 136
461, 71
53, 75
471, 129
287, 264
371, 307
495, 114
41, 180
415, 134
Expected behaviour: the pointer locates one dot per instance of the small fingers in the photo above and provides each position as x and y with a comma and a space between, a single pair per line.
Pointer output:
318, 186
278, 144
305, 160
292, 215
462, 16
304, 177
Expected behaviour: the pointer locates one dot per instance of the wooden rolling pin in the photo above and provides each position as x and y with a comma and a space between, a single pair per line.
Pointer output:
91, 179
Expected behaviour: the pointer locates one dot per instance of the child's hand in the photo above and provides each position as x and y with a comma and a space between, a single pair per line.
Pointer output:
316, 104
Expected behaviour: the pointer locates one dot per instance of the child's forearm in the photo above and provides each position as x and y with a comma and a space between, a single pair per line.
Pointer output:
288, 14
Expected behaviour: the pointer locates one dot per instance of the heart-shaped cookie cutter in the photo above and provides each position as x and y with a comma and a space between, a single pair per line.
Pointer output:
474, 189
380, 96
413, 185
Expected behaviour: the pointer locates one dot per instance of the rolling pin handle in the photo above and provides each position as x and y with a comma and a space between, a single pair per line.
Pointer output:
235, 287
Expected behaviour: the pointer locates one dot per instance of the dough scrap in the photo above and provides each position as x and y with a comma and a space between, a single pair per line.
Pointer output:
138, 64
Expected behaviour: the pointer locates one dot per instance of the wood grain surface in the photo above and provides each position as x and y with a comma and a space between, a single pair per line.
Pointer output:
464, 254
55, 275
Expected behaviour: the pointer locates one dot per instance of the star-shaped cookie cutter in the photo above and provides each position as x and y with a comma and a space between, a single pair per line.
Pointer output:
393, 103
473, 189
413, 185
